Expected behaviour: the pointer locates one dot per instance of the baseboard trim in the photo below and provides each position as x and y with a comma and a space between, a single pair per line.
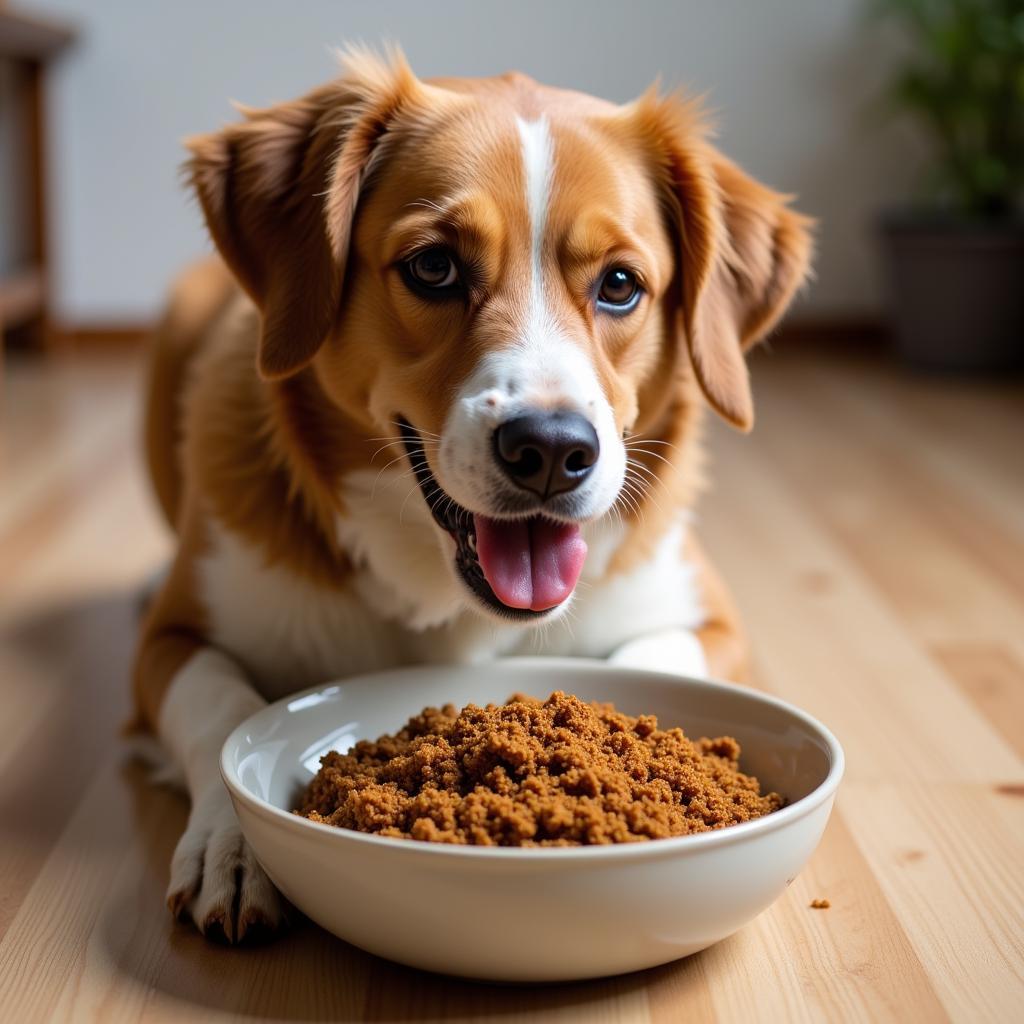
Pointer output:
99, 336
865, 333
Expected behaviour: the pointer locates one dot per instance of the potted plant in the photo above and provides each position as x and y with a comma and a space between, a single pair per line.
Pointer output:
956, 259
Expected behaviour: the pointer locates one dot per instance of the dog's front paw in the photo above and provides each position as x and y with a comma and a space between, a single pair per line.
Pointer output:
216, 881
673, 650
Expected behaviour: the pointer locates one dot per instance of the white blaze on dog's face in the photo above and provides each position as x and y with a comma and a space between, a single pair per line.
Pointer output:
543, 372
518, 276
531, 443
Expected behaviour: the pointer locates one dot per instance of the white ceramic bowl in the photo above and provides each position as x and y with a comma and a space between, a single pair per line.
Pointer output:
540, 914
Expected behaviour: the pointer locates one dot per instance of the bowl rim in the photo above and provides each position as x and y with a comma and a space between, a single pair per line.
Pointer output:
654, 848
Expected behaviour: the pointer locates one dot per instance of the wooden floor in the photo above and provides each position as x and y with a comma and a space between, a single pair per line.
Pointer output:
873, 530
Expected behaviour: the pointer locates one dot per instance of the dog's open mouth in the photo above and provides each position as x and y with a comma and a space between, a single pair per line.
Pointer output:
519, 567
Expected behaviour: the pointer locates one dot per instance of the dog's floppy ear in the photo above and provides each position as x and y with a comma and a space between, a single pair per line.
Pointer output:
279, 193
743, 253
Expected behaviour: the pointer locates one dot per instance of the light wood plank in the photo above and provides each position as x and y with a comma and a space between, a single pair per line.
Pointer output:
967, 435
993, 678
949, 860
855, 963
826, 639
954, 572
56, 424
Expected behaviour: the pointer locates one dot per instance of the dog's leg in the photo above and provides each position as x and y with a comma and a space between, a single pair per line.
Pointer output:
215, 878
725, 649
678, 651
191, 695
722, 635
717, 648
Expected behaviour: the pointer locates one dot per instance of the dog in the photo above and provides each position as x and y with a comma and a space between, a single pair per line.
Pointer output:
438, 399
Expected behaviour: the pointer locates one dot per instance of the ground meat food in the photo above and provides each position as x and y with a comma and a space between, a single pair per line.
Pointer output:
558, 772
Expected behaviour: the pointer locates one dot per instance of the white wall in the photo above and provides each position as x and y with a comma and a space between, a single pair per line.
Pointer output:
791, 81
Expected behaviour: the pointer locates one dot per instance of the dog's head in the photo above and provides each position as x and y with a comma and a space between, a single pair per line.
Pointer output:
519, 277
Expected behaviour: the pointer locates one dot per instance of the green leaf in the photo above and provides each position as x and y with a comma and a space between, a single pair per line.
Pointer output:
964, 80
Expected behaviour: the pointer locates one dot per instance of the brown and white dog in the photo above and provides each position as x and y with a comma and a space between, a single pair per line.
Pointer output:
440, 402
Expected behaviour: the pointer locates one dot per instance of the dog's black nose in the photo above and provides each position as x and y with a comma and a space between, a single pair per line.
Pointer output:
547, 453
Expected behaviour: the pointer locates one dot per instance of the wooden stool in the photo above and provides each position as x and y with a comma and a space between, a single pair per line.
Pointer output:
27, 46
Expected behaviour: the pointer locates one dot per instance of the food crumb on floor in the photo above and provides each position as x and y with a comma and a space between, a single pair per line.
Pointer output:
820, 904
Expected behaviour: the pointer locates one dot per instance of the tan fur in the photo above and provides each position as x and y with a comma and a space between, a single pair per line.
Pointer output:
199, 294
721, 636
283, 390
267, 457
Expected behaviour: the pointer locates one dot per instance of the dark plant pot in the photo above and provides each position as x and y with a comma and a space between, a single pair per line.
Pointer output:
956, 291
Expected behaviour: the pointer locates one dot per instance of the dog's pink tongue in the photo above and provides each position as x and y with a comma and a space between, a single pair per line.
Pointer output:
530, 563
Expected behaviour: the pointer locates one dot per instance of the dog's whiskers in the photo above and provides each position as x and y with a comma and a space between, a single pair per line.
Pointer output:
391, 439
648, 494
401, 512
419, 430
382, 448
626, 498
648, 440
637, 490
404, 475
634, 466
634, 489
642, 484
395, 456
448, 503
647, 486
643, 451
617, 513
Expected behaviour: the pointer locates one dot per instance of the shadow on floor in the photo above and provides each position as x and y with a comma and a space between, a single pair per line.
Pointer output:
67, 670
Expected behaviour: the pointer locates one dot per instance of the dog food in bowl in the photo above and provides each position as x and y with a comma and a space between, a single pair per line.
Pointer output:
559, 772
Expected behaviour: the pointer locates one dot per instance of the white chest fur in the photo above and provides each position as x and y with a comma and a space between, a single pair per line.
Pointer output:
404, 606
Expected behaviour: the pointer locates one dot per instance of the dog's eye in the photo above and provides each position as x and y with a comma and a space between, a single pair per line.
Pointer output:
433, 269
620, 290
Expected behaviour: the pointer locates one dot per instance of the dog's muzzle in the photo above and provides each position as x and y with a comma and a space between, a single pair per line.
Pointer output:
520, 567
